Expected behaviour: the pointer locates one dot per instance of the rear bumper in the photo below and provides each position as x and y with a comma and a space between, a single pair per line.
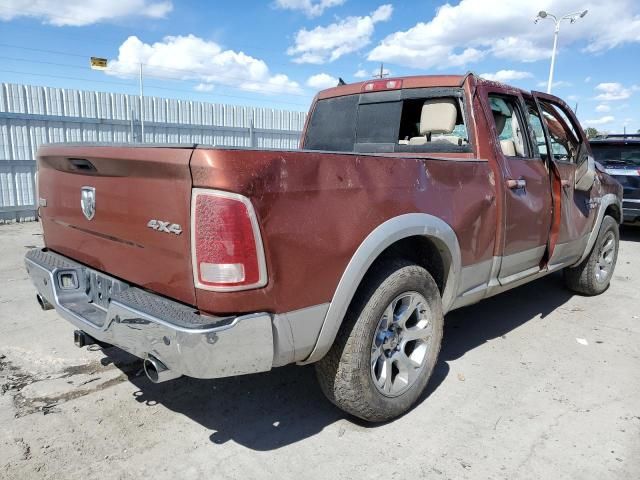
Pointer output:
145, 324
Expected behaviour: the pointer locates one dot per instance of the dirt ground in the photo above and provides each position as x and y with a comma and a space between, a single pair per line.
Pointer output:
534, 383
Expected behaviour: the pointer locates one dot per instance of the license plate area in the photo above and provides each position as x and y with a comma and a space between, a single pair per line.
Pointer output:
102, 289
86, 293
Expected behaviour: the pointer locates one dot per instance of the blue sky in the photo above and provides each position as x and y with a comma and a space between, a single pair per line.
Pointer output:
277, 53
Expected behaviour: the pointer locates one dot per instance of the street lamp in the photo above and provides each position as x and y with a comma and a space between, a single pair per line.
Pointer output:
572, 17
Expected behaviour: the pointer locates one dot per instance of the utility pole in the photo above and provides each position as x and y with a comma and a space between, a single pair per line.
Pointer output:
381, 74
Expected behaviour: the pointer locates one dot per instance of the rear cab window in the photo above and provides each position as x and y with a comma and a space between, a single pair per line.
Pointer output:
417, 120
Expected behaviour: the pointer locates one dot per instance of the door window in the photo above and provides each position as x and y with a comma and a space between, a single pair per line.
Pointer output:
539, 140
508, 125
562, 135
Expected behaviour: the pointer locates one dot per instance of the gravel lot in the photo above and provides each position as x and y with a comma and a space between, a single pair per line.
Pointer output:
534, 383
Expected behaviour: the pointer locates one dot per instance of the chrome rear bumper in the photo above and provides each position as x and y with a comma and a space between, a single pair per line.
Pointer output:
148, 325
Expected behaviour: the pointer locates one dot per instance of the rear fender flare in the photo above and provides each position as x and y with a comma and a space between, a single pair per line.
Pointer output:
606, 200
383, 236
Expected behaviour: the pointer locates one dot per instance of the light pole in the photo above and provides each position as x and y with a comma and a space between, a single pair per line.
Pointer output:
98, 63
572, 17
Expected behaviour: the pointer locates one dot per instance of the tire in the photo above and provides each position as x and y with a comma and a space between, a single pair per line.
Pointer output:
592, 276
374, 381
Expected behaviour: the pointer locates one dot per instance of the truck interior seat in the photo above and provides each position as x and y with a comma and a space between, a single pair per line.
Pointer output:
437, 122
514, 146
508, 148
518, 140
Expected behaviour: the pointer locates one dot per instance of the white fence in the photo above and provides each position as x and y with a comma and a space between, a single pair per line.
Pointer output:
31, 116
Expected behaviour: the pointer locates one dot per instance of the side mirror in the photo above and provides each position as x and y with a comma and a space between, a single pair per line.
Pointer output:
585, 171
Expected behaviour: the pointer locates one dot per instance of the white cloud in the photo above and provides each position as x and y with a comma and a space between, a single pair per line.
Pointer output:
599, 121
322, 81
192, 58
204, 87
326, 44
362, 73
506, 75
587, 79
309, 7
558, 84
612, 91
464, 33
77, 13
603, 108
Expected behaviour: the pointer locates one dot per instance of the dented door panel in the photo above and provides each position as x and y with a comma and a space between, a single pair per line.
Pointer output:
316, 208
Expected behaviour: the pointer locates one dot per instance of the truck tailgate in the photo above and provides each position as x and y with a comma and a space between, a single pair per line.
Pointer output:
131, 186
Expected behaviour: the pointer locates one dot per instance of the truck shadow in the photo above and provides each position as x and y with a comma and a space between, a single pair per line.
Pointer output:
271, 410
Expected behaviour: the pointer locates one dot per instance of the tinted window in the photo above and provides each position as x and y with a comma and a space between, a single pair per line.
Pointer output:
332, 125
369, 123
614, 155
378, 122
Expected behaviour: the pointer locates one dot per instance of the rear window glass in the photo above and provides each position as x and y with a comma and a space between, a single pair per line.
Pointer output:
332, 125
355, 123
623, 155
377, 122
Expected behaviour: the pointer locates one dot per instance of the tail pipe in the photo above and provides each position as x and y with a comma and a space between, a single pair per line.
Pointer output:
157, 371
44, 305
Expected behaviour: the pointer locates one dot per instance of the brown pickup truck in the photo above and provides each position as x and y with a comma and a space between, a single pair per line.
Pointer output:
409, 197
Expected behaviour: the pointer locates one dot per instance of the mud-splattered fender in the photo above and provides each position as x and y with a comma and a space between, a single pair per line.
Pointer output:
374, 244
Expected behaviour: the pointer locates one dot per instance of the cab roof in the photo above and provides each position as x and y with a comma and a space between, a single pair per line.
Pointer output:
416, 81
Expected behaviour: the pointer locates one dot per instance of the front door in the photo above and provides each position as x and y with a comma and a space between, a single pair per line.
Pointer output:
566, 144
527, 193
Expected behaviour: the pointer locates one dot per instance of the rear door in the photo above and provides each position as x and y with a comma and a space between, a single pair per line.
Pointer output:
527, 191
121, 210
569, 151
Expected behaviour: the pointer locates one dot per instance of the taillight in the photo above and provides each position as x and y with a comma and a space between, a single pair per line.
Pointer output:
380, 85
226, 246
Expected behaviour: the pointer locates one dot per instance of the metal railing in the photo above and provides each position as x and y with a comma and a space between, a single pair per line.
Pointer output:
31, 116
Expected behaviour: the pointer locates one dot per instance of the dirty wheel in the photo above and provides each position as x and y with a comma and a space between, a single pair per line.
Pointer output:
592, 276
388, 344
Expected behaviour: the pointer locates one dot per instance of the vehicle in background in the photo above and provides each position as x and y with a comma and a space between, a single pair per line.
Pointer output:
409, 197
619, 154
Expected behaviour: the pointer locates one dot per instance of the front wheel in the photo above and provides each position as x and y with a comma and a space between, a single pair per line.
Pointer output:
593, 274
387, 345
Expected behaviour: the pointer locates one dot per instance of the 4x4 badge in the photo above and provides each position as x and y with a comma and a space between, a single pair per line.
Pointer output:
166, 227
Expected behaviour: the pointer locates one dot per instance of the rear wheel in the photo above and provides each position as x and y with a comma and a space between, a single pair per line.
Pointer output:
388, 344
592, 276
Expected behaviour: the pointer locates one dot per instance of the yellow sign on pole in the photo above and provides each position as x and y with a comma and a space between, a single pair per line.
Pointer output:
98, 63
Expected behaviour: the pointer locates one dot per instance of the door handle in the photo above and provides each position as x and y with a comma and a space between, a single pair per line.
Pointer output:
565, 183
516, 184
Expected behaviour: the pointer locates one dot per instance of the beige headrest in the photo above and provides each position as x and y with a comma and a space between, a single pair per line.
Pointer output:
438, 116
508, 148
